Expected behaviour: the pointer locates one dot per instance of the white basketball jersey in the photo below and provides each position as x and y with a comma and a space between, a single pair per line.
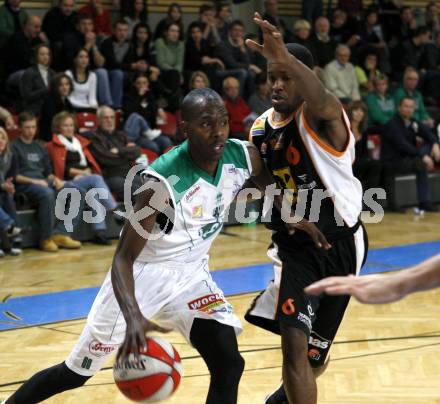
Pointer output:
200, 201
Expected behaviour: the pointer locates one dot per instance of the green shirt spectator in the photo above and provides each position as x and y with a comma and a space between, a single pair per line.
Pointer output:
380, 108
170, 51
408, 89
12, 19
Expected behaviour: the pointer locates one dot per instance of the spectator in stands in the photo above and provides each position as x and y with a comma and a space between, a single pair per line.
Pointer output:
223, 18
137, 15
341, 31
55, 101
312, 10
34, 84
371, 36
141, 56
101, 18
84, 37
117, 53
413, 51
409, 89
114, 152
340, 76
380, 104
21, 46
198, 53
126, 8
198, 79
237, 59
74, 164
57, 22
8, 214
407, 26
322, 42
209, 25
400, 154
12, 19
260, 101
301, 35
35, 179
238, 111
7, 119
174, 15
367, 170
367, 71
170, 53
83, 96
271, 14
432, 19
140, 109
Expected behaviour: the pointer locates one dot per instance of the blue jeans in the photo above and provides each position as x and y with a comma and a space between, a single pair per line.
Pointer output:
135, 125
104, 93
94, 181
116, 78
44, 198
5, 220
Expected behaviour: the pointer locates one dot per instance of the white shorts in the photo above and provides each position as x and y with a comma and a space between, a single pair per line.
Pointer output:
171, 294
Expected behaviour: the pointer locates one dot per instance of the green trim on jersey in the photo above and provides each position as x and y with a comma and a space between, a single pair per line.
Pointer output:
178, 162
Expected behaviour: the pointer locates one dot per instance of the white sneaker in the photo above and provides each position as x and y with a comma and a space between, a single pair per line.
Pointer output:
152, 133
2, 254
15, 251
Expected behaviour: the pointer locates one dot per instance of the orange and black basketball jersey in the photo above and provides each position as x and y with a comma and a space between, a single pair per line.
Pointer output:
310, 169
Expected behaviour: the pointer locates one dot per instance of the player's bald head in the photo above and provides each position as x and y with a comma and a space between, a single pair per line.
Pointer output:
198, 99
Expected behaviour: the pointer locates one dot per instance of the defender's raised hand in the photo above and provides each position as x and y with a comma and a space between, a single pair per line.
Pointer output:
273, 48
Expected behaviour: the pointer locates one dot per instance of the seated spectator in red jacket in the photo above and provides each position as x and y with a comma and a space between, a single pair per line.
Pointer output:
238, 111
73, 163
101, 17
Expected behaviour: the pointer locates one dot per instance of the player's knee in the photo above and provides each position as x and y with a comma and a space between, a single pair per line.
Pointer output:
66, 378
294, 347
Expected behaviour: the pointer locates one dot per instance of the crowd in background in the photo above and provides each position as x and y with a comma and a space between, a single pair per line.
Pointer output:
381, 61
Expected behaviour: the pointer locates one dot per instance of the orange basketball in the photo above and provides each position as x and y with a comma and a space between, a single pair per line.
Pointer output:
155, 377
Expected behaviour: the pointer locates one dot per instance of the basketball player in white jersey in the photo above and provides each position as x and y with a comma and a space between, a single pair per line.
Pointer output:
167, 278
306, 143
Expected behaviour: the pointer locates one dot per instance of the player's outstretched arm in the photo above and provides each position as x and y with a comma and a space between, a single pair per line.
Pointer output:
129, 247
374, 289
321, 105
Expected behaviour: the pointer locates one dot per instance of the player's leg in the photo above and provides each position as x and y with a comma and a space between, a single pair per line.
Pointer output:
47, 383
217, 344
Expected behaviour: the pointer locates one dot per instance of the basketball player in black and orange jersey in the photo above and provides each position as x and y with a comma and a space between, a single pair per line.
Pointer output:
307, 145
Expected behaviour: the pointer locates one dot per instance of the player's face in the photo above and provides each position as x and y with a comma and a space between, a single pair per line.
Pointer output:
285, 98
208, 132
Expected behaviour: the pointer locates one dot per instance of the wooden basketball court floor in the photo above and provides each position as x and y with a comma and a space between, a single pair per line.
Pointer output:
382, 354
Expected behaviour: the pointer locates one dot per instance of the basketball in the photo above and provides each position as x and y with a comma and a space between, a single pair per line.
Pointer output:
155, 377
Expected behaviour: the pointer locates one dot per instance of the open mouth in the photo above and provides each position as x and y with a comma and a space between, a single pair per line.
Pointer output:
218, 147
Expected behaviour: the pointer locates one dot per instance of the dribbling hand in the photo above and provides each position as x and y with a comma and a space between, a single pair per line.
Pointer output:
137, 328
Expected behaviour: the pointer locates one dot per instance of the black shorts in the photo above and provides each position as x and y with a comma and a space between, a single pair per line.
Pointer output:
284, 300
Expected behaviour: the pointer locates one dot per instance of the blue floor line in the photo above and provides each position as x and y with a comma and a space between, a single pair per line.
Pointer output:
74, 304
